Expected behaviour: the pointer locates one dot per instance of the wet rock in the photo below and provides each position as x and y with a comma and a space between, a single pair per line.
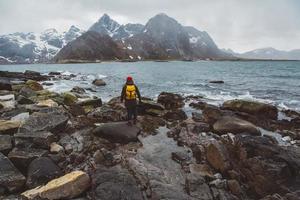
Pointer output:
78, 90
5, 84
253, 108
22, 157
32, 73
170, 100
114, 184
69, 98
5, 143
94, 103
235, 125
150, 124
34, 139
66, 187
119, 132
99, 82
53, 120
217, 156
9, 126
54, 73
34, 85
47, 103
40, 171
173, 115
10, 178
23, 100
47, 83
217, 81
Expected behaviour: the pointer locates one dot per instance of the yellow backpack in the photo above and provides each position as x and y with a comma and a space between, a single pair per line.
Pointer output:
130, 92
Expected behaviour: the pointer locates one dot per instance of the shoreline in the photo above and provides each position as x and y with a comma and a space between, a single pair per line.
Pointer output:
62, 140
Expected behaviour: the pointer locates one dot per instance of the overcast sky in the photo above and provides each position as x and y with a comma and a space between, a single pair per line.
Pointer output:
241, 25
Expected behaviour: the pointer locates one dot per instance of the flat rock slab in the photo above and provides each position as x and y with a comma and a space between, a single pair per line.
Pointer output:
118, 132
35, 139
235, 125
66, 187
10, 177
9, 126
51, 120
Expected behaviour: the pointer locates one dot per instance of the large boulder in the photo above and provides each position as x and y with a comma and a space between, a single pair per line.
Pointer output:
34, 139
9, 126
253, 108
66, 187
10, 178
99, 82
34, 85
53, 120
173, 115
170, 100
228, 124
119, 132
69, 98
114, 184
22, 157
217, 156
40, 171
5, 84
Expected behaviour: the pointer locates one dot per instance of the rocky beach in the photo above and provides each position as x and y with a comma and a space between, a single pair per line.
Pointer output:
71, 145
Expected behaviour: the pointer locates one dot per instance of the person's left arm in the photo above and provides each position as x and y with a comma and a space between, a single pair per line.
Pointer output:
138, 93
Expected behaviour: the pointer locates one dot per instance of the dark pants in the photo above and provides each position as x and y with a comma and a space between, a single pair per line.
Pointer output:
131, 111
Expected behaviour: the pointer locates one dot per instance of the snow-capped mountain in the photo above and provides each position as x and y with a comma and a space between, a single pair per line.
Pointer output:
107, 26
34, 47
161, 38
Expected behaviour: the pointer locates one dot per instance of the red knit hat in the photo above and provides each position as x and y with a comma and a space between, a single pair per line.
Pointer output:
129, 78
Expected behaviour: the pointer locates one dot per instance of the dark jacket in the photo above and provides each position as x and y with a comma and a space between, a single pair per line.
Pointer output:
130, 102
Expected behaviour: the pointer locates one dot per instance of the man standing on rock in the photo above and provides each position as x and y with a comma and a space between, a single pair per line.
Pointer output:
130, 93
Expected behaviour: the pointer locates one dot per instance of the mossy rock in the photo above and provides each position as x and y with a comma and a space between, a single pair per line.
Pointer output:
18, 87
34, 85
69, 98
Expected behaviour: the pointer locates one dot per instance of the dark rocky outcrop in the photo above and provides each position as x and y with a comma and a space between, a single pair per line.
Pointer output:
119, 132
170, 100
40, 171
115, 184
10, 178
99, 82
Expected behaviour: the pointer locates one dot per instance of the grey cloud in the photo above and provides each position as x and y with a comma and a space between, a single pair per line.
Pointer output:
238, 24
